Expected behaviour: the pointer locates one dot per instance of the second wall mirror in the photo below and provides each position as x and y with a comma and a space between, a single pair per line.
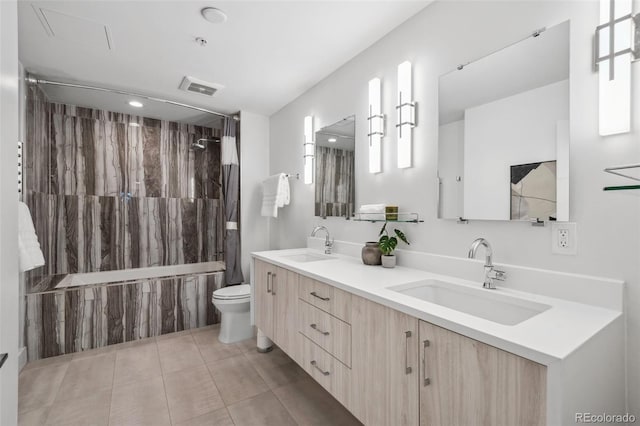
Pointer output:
503, 144
335, 162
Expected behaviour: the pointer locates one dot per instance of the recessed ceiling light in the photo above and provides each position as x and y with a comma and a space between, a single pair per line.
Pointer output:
136, 104
134, 125
213, 15
332, 140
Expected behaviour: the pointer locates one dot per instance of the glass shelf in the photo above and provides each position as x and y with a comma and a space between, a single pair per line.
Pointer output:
630, 171
377, 217
621, 188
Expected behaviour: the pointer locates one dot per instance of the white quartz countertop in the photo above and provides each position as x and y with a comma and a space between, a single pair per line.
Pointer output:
546, 338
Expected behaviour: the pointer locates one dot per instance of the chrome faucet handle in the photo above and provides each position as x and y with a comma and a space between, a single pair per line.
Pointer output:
328, 245
490, 275
497, 274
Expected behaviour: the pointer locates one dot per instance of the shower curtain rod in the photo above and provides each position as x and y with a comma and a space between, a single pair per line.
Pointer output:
31, 79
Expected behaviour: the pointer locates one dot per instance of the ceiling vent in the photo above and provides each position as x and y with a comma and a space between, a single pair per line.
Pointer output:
194, 85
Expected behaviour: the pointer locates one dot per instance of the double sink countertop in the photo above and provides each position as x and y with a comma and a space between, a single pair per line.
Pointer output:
546, 337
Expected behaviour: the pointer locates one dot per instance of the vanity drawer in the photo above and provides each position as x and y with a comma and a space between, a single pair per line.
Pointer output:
332, 375
329, 332
326, 297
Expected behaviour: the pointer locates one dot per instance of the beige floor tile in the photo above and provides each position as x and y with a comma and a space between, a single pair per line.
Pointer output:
191, 393
44, 362
170, 336
178, 353
219, 417
91, 410
35, 417
211, 348
236, 379
137, 363
264, 410
309, 404
87, 375
275, 367
95, 352
141, 403
248, 345
38, 387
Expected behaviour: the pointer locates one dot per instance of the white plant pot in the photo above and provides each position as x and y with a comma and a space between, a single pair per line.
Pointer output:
389, 261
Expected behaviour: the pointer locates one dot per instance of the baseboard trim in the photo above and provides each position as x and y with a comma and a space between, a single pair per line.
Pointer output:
22, 358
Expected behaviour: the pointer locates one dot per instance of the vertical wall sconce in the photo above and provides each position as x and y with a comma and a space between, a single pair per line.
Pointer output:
309, 149
376, 126
617, 44
406, 109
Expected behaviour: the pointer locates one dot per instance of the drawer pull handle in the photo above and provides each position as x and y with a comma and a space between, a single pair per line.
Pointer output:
426, 381
273, 284
314, 294
315, 364
268, 282
315, 327
407, 369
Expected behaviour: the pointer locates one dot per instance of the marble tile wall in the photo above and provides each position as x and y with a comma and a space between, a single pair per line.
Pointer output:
77, 319
106, 195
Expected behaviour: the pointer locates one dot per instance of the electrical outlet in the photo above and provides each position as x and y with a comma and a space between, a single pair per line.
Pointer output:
564, 238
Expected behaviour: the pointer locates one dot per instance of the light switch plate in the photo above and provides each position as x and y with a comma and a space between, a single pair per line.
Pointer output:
564, 238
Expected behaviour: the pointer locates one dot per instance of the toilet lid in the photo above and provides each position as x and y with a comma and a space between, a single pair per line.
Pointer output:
233, 292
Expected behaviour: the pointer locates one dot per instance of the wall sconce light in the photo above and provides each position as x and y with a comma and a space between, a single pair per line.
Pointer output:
617, 44
309, 149
376, 126
406, 109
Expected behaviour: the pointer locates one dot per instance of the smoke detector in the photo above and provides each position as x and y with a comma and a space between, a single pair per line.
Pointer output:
202, 87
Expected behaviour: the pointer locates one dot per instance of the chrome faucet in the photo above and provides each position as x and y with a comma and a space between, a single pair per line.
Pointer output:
328, 242
490, 274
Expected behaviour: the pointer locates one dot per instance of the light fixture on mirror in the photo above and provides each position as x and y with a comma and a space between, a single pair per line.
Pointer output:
617, 44
406, 109
309, 149
376, 126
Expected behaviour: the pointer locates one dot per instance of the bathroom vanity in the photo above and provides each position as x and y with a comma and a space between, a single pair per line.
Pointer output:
409, 347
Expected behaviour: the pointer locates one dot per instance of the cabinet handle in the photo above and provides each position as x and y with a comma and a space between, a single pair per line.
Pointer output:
407, 369
268, 282
426, 381
315, 327
315, 364
314, 294
273, 284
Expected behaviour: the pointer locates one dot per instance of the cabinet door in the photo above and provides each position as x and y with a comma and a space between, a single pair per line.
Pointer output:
384, 365
264, 300
466, 382
285, 293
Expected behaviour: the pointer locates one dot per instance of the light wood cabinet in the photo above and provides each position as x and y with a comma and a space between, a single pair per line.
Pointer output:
328, 332
328, 298
334, 376
276, 305
466, 382
385, 365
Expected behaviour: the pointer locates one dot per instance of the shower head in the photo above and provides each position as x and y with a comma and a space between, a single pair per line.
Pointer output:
201, 143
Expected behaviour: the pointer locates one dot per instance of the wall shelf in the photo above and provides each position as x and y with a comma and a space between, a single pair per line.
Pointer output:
625, 172
376, 217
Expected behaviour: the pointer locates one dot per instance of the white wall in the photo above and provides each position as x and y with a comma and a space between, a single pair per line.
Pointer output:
525, 133
254, 168
9, 292
436, 41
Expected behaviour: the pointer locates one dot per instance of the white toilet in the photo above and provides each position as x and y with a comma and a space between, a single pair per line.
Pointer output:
233, 302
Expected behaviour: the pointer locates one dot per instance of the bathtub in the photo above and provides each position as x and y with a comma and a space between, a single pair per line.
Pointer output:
138, 274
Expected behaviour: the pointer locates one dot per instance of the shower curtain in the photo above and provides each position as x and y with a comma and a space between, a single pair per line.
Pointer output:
231, 194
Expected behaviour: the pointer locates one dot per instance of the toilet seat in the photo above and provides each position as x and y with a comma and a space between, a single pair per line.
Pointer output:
234, 292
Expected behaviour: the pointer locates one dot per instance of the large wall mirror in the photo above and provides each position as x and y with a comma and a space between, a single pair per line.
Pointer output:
335, 161
503, 144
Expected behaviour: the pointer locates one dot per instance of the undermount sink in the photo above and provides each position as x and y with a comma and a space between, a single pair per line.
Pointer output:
308, 257
481, 303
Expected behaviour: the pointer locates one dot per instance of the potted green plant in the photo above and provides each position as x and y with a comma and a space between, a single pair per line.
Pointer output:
388, 244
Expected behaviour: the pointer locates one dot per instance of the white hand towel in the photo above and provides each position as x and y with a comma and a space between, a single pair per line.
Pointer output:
275, 193
372, 211
29, 250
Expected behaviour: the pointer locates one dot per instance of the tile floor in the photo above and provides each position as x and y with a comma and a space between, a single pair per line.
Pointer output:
186, 378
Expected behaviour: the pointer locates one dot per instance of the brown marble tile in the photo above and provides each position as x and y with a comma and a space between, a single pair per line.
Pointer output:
263, 409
